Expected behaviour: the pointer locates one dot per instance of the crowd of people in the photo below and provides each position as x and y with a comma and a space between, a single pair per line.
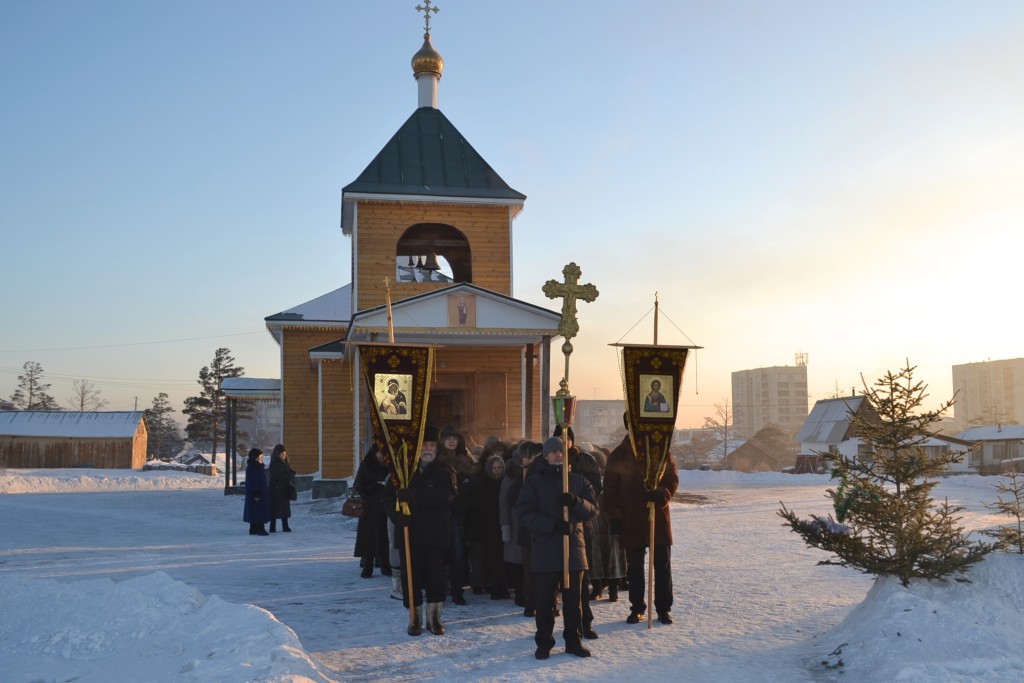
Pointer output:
493, 522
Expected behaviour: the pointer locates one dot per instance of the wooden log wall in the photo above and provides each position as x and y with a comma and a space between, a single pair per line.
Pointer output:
301, 408
382, 224
62, 452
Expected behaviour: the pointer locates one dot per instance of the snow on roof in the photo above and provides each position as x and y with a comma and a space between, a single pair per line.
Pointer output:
829, 420
334, 306
993, 433
253, 387
95, 425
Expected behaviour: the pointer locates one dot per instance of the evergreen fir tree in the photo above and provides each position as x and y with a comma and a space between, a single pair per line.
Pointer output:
32, 392
886, 521
164, 439
206, 412
1010, 537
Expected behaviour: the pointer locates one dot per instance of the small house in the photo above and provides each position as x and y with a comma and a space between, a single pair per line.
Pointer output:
992, 445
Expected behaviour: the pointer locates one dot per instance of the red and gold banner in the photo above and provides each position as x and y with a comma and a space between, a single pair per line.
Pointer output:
651, 379
398, 380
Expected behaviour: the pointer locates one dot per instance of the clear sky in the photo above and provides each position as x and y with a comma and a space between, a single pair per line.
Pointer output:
839, 179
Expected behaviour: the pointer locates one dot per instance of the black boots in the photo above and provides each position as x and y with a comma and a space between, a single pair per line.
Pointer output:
416, 625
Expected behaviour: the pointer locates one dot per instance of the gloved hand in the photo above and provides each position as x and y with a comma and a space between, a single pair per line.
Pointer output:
402, 520
570, 499
655, 496
404, 495
562, 527
506, 533
615, 526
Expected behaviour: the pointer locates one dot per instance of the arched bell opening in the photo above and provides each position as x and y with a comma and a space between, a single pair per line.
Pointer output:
433, 252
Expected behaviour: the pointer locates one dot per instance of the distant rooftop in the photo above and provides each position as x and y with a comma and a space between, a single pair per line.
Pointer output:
94, 425
829, 420
251, 387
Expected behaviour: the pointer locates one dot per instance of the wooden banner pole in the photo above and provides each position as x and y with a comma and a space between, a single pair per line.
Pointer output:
408, 577
650, 570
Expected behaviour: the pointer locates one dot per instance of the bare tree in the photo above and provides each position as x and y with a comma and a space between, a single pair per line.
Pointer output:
992, 415
720, 423
85, 397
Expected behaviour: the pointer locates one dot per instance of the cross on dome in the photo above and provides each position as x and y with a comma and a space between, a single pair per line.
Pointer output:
427, 9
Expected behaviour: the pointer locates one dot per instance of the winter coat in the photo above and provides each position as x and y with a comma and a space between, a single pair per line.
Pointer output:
257, 494
487, 513
584, 463
511, 485
625, 498
282, 477
540, 508
462, 464
432, 489
372, 529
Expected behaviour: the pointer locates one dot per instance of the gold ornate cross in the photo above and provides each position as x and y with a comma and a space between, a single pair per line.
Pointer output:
570, 291
427, 9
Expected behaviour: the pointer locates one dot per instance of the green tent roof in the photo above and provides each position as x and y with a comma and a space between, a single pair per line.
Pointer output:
429, 156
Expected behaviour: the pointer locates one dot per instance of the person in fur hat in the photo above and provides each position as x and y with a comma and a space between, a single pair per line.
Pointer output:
429, 496
372, 547
541, 508
452, 452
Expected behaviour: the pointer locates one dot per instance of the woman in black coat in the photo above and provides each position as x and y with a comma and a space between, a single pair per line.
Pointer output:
257, 495
282, 480
372, 531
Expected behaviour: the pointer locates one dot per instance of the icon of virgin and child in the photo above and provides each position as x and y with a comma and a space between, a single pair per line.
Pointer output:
392, 402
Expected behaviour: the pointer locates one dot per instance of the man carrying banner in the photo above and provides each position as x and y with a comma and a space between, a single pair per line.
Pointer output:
626, 504
429, 494
541, 508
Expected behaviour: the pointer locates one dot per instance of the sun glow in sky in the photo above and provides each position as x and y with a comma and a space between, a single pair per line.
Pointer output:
842, 180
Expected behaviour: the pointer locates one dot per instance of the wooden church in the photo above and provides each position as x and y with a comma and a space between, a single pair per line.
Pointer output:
432, 218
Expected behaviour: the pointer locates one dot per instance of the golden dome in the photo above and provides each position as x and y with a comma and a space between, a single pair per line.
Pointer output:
427, 60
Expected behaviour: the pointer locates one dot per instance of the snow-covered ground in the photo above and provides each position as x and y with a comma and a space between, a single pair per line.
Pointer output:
152, 576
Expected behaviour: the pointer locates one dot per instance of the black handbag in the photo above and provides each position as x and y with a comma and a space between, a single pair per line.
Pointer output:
293, 493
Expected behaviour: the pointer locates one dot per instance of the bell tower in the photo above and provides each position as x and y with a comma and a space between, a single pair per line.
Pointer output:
428, 211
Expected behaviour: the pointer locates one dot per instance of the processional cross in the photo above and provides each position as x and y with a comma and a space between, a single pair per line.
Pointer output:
427, 9
569, 291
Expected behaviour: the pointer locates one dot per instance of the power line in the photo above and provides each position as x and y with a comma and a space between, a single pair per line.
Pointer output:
149, 343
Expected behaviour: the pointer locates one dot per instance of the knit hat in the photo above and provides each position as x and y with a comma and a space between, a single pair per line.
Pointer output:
254, 453
553, 444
